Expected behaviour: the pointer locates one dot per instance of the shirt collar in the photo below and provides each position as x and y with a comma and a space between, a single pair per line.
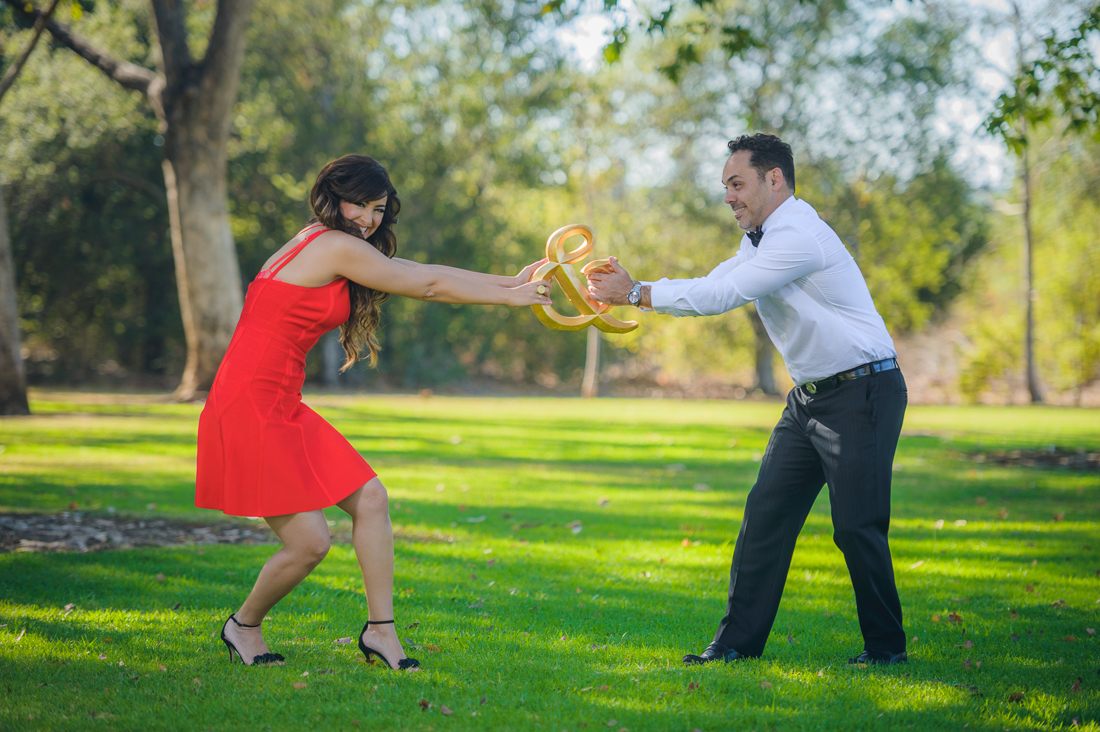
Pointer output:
779, 212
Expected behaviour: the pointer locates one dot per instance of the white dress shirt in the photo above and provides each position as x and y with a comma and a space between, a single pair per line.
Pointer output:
808, 291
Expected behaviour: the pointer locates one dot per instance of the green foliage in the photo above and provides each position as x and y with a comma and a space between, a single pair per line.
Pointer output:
96, 289
1067, 278
1061, 81
500, 598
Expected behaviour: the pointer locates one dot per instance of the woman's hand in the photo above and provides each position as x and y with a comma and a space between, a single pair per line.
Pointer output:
526, 272
528, 294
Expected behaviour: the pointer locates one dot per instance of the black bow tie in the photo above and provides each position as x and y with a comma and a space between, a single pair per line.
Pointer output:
755, 237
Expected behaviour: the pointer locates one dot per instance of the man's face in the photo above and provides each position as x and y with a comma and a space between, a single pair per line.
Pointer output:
751, 198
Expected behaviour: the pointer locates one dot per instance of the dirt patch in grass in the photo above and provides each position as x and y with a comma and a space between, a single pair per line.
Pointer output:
1051, 457
75, 531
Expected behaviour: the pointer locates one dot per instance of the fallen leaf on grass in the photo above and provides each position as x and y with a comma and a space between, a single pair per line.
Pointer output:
1076, 688
444, 710
430, 647
935, 618
821, 672
1058, 603
196, 681
343, 641
300, 684
1029, 588
685, 542
1090, 631
102, 656
1015, 637
305, 673
45, 684
587, 688
1070, 639
914, 565
160, 577
1013, 614
413, 624
968, 644
966, 663
693, 686
161, 667
69, 608
955, 618
765, 684
611, 723
605, 687
1016, 696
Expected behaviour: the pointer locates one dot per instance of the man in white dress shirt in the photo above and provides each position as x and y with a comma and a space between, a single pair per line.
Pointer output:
842, 420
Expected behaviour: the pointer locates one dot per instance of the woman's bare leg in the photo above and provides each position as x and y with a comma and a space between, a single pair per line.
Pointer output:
372, 535
305, 544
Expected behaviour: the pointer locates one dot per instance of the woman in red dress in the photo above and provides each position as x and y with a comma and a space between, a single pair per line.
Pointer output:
261, 452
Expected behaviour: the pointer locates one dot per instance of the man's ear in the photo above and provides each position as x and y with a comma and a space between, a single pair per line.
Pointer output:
776, 178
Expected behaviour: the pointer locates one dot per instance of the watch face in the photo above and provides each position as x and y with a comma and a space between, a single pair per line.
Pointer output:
633, 297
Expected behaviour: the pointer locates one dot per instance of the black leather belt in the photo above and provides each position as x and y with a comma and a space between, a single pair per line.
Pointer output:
832, 382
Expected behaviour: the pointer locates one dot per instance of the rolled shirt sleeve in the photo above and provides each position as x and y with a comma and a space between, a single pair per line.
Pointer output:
786, 256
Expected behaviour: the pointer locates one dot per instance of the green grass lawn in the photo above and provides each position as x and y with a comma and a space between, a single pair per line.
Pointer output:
527, 623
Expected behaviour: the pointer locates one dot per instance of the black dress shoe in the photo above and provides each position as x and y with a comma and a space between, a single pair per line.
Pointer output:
877, 657
715, 652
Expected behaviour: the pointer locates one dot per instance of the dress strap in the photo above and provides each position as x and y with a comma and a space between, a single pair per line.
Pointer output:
282, 261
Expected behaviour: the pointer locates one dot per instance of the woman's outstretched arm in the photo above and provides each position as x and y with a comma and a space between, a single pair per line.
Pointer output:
360, 262
488, 279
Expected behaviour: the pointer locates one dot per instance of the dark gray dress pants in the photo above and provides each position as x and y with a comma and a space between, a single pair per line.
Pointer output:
845, 437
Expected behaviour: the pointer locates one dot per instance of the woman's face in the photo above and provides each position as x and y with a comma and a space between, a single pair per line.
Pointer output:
366, 215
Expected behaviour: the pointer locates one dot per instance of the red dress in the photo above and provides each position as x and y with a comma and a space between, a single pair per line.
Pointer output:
261, 452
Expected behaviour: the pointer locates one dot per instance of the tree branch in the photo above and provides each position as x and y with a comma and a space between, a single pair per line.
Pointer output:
15, 68
225, 53
175, 55
130, 76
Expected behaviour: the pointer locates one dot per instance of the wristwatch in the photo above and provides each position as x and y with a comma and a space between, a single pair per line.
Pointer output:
634, 297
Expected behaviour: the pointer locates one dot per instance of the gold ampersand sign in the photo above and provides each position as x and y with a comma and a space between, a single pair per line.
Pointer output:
560, 270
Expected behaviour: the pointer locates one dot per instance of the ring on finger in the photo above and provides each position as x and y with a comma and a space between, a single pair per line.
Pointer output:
541, 289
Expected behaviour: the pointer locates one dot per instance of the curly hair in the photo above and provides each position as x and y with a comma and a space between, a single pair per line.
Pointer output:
766, 152
357, 179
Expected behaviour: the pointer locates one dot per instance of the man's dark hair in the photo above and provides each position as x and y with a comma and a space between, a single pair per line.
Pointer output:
766, 152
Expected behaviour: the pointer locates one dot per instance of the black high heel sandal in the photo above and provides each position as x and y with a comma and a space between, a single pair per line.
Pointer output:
404, 663
264, 658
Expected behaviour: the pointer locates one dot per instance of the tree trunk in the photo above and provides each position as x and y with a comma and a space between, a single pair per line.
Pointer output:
331, 360
13, 384
207, 273
765, 373
590, 385
1031, 295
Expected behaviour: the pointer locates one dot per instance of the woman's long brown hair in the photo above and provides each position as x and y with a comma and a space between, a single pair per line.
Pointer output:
357, 179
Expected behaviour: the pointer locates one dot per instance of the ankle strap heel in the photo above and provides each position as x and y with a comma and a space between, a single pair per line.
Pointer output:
403, 664
233, 617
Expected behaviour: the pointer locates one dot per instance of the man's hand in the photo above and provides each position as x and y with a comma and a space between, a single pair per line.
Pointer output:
610, 284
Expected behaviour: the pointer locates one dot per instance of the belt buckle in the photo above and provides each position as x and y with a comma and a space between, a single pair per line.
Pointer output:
811, 387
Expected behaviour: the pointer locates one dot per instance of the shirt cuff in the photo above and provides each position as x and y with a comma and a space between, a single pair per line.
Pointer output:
661, 295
